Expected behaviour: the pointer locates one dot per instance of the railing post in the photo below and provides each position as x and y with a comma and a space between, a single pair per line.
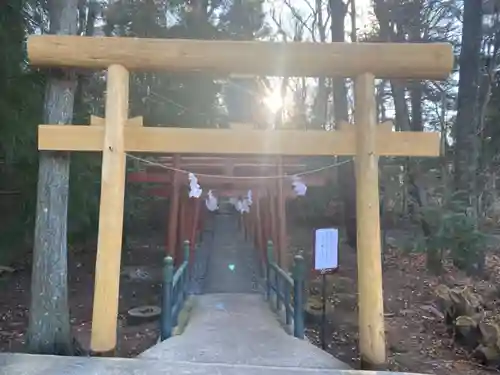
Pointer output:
166, 306
185, 277
277, 283
268, 268
286, 293
298, 296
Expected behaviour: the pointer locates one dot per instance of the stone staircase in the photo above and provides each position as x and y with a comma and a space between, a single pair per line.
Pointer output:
25, 364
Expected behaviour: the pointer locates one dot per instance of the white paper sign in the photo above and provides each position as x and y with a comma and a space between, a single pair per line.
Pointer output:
326, 249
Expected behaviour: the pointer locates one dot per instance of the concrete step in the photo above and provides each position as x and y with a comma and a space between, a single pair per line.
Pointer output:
26, 364
239, 329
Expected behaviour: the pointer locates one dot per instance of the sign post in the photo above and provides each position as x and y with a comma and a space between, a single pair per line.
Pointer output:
326, 243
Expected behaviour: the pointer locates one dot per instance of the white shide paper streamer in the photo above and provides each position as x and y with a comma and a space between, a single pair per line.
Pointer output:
298, 186
211, 202
194, 188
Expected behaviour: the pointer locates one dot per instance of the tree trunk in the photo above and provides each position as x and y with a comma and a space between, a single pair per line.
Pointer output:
87, 27
346, 179
403, 122
466, 126
320, 106
49, 329
466, 149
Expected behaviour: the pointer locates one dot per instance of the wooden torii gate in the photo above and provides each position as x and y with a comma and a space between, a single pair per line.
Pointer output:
362, 61
212, 170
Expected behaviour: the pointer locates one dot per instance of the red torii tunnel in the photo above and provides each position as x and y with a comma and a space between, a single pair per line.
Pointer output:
227, 177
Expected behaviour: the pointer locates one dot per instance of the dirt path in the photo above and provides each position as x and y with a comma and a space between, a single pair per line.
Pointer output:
140, 285
416, 336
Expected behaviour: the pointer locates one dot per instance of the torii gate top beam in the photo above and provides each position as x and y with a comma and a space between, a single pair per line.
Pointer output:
383, 60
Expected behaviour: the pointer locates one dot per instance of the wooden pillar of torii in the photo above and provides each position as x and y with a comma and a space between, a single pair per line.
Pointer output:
258, 237
184, 219
191, 225
273, 218
281, 214
266, 227
366, 141
172, 242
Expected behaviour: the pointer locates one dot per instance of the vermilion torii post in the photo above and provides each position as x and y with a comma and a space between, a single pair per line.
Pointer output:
362, 61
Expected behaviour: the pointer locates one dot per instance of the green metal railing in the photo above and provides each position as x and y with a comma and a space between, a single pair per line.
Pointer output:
174, 292
288, 290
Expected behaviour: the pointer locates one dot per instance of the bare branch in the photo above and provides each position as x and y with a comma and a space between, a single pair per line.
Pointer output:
299, 18
310, 6
279, 24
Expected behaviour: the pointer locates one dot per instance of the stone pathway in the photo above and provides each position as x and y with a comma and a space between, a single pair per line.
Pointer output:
232, 261
239, 329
